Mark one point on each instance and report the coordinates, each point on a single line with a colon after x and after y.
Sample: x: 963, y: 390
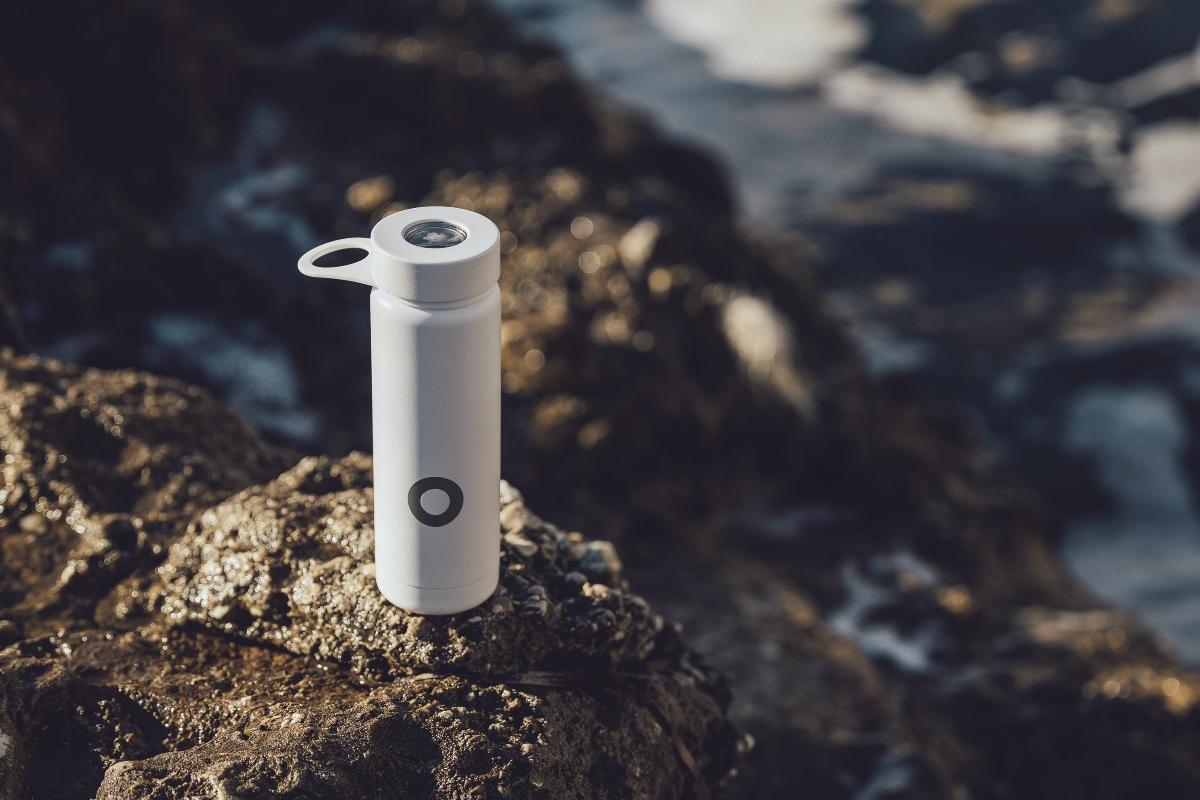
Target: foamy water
x: 1145, y: 552
x: 764, y: 42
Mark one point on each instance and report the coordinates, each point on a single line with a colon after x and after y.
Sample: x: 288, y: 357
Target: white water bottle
x: 435, y: 385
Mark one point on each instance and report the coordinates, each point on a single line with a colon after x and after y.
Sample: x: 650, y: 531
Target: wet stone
x: 87, y: 500
x: 283, y: 565
x: 249, y: 653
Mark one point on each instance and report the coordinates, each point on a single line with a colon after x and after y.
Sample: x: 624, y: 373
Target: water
x: 1013, y: 250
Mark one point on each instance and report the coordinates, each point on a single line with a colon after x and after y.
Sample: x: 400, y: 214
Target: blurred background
x: 989, y: 208
x: 1002, y: 199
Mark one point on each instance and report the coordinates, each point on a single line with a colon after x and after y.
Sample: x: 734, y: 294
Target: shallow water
x: 1012, y: 257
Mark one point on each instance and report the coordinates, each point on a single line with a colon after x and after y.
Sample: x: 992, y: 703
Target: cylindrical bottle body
x: 436, y: 422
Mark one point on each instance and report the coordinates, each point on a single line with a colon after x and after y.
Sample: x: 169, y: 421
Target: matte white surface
x: 436, y: 413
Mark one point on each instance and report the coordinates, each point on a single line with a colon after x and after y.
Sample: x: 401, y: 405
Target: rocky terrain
x: 181, y: 598
x: 258, y: 660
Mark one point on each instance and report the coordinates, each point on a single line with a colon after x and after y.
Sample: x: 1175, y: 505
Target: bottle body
x: 435, y: 389
x: 436, y: 424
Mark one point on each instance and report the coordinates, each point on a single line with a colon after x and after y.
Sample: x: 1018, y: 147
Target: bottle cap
x: 432, y: 254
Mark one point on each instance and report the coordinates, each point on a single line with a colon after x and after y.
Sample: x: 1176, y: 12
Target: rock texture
x: 275, y: 669
x: 100, y: 472
x: 290, y: 564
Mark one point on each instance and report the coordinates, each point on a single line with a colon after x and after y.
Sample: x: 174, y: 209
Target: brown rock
x: 291, y: 563
x: 277, y: 669
x: 100, y: 470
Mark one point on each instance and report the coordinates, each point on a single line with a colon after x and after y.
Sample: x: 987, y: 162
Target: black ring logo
x: 435, y: 520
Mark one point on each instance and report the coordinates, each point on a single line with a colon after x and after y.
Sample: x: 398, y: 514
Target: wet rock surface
x: 100, y: 471
x: 182, y: 714
x: 259, y: 660
x: 892, y: 610
x: 291, y: 564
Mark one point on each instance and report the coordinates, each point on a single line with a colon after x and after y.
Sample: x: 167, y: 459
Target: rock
x: 444, y: 738
x: 276, y: 668
x: 9, y: 632
x: 291, y: 564
x: 213, y: 715
x: 100, y: 471
x: 13, y: 775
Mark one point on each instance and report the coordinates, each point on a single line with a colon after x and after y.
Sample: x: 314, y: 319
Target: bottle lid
x: 432, y: 254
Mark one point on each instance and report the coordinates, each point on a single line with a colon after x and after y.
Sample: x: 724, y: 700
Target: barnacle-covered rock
x: 291, y: 563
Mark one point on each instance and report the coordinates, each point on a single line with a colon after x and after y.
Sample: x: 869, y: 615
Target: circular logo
x: 427, y: 484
